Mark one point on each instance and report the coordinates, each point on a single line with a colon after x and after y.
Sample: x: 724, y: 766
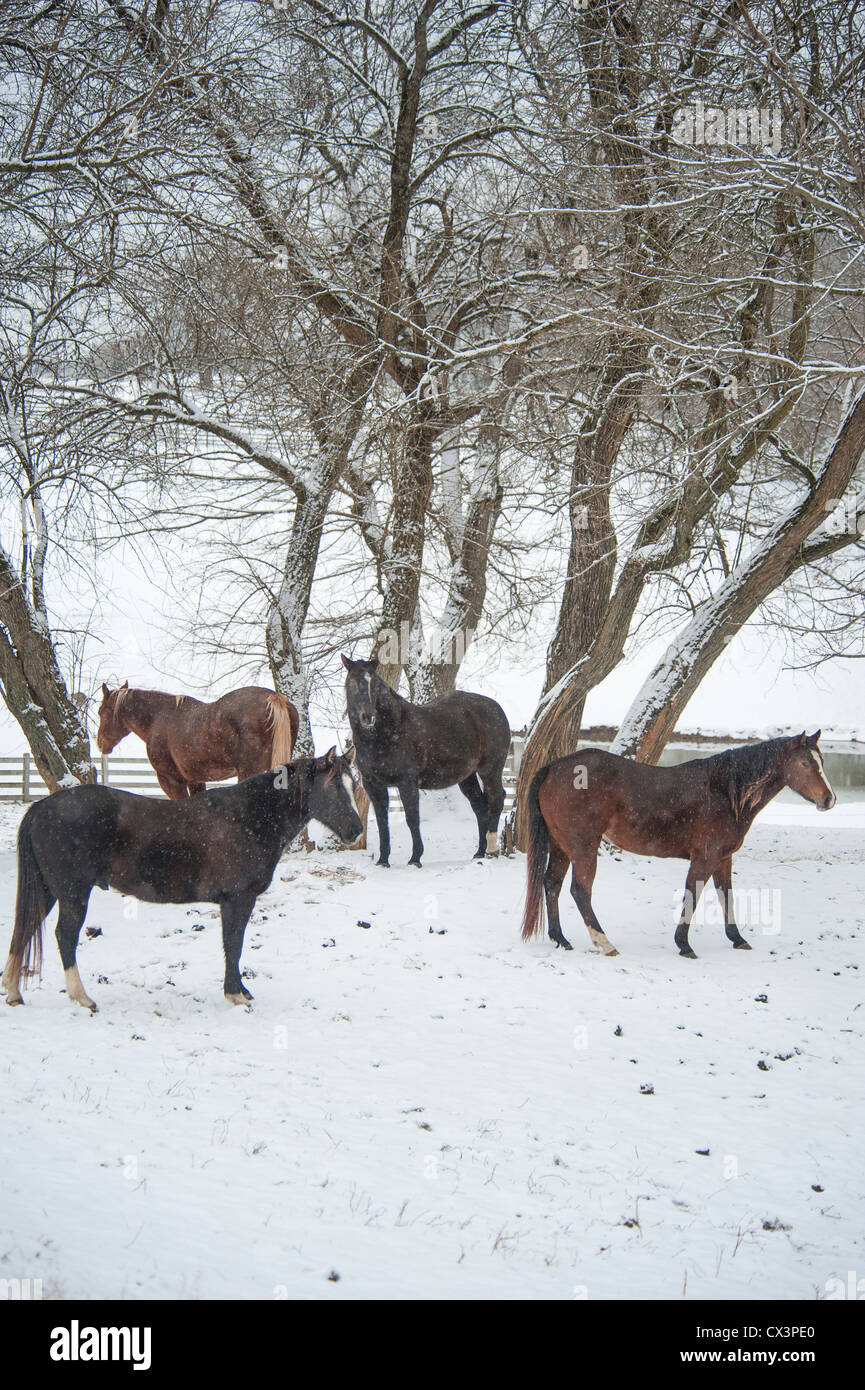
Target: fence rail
x: 20, y: 780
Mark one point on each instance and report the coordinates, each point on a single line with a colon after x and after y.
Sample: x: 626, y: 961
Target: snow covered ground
x: 420, y: 1105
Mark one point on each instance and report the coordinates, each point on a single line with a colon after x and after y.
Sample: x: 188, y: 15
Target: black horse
x: 221, y: 846
x: 452, y: 741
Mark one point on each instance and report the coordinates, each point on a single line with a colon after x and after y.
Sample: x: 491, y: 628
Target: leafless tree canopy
x: 538, y: 325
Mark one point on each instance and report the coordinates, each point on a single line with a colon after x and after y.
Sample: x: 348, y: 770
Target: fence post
x: 103, y: 770
x: 25, y: 777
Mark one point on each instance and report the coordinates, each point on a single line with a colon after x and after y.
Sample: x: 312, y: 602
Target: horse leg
x: 585, y: 866
x: 494, y: 791
x: 70, y: 920
x: 172, y: 784
x: 723, y: 880
x: 471, y: 790
x: 694, y: 885
x: 557, y: 867
x: 236, y: 912
x: 409, y: 795
x: 377, y: 793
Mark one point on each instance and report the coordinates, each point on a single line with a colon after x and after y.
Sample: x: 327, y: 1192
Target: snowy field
x: 420, y: 1105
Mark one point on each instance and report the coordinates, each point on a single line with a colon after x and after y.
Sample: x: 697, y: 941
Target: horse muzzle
x: 353, y: 833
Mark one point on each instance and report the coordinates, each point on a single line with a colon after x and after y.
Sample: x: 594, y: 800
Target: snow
x: 429, y: 1107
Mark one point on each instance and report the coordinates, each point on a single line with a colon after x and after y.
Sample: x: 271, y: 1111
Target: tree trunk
x: 34, y: 690
x: 288, y: 612
x: 402, y: 566
x: 654, y: 713
x: 435, y: 672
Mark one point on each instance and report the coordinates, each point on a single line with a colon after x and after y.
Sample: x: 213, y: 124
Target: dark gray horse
x: 453, y: 741
x: 220, y: 846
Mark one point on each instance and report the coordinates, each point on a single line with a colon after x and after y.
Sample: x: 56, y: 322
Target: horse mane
x: 743, y: 772
x: 120, y: 698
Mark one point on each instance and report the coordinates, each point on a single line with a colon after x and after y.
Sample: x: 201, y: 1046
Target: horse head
x: 112, y: 726
x: 365, y: 694
x: 803, y: 771
x: 331, y: 796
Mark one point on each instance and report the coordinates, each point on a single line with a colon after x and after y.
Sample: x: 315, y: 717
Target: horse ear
x: 105, y: 691
x: 351, y: 756
x: 814, y: 739
x: 373, y: 662
x: 125, y: 685
x: 346, y: 661
x: 801, y: 739
x: 330, y: 757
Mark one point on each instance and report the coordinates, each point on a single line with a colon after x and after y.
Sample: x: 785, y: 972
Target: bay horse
x: 221, y: 846
x: 191, y: 742
x: 452, y: 741
x: 700, y: 810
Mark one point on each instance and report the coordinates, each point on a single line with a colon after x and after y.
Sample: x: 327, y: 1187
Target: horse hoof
x: 382, y: 864
x: 13, y: 1002
x: 688, y: 953
x: 239, y: 999
x: 416, y: 863
x: 614, y: 952
x: 741, y: 946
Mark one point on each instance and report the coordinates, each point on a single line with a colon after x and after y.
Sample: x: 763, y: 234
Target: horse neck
x: 774, y: 785
x: 285, y: 808
x: 769, y: 787
x: 392, y: 701
x: 140, y: 708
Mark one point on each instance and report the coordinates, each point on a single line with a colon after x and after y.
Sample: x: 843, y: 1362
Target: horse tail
x: 283, y: 720
x: 33, y: 902
x: 536, y: 858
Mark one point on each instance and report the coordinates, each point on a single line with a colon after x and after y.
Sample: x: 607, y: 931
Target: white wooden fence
x: 20, y: 781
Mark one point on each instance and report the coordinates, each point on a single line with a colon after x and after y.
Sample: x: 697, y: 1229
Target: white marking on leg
x: 602, y: 942
x: 76, y: 991
x: 10, y: 982
x: 492, y: 842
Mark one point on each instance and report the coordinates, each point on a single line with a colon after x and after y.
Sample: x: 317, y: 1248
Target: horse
x: 700, y: 810
x: 190, y: 742
x: 453, y: 741
x: 221, y: 846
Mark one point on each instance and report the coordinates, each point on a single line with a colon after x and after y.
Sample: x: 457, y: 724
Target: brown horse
x: 190, y: 742
x: 699, y: 810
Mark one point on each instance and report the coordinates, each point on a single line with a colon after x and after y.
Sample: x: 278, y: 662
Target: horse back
x: 456, y: 735
x: 209, y: 742
x: 202, y: 849
x: 74, y: 833
x: 671, y: 812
